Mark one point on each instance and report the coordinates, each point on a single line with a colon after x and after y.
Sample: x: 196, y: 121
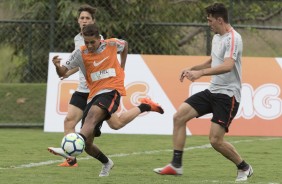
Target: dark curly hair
x: 218, y: 10
x: 91, y: 30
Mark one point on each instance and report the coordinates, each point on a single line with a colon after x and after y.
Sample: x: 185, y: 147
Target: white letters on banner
x: 138, y: 76
x: 262, y: 102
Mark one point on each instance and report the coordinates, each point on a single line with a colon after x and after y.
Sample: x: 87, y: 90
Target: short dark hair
x: 91, y: 30
x: 218, y: 10
x: 90, y: 9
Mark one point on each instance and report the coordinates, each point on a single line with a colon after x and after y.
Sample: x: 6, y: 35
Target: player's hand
x: 56, y: 61
x: 64, y: 77
x: 183, y: 74
x: 193, y: 75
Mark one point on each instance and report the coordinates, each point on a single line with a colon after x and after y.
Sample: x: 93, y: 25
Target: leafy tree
x: 150, y: 27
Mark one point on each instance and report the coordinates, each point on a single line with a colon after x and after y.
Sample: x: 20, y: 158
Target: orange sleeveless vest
x: 103, y: 70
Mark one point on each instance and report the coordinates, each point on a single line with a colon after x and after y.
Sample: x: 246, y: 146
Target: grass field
x: 25, y: 159
x: 26, y: 103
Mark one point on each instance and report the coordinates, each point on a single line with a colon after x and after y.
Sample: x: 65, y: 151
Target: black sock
x: 243, y: 166
x: 72, y: 162
x: 177, y: 158
x: 84, y: 138
x: 102, y: 158
x: 144, y: 107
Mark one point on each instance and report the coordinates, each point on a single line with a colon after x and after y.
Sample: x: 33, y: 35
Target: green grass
x: 25, y: 159
x: 22, y: 103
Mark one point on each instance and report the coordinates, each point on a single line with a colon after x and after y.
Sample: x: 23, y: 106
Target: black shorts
x: 79, y: 99
x: 223, y: 107
x: 106, y: 101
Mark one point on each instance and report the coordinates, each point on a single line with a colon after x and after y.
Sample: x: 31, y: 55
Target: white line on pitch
x: 205, y: 146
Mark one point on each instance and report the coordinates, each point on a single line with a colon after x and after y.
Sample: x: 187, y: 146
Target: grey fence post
x: 52, y: 24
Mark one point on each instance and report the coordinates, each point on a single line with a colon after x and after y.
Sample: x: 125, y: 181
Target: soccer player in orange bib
x: 78, y: 102
x: 98, y: 61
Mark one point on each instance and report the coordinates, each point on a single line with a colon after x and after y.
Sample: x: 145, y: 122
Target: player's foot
x: 243, y: 175
x: 60, y: 152
x: 66, y: 163
x: 154, y: 106
x: 169, y: 170
x: 106, y: 168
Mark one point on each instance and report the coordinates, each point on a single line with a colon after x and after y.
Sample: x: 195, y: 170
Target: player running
x: 79, y: 100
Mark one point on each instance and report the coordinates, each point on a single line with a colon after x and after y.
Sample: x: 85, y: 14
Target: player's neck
x: 225, y: 29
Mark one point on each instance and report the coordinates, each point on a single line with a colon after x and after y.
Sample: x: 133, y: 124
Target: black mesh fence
x: 51, y: 26
x: 29, y: 30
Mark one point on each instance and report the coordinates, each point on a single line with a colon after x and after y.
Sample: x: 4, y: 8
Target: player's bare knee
x: 66, y: 120
x: 178, y: 120
x: 215, y: 142
x: 114, y: 126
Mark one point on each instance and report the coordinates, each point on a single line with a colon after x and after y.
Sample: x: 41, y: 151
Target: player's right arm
x: 70, y: 72
x: 200, y: 68
x: 74, y: 61
x: 61, y: 70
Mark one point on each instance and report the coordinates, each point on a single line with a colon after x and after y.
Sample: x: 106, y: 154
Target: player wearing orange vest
x: 105, y: 79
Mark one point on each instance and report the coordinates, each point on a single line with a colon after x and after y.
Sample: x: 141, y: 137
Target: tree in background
x: 151, y: 27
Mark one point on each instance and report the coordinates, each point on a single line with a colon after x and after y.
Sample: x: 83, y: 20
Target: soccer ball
x: 73, y: 144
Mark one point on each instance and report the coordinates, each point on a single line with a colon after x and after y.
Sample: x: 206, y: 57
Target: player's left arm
x: 225, y: 67
x: 122, y: 49
x: 231, y: 47
x: 123, y: 55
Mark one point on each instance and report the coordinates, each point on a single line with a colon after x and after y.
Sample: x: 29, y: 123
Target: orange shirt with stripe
x: 103, y: 70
